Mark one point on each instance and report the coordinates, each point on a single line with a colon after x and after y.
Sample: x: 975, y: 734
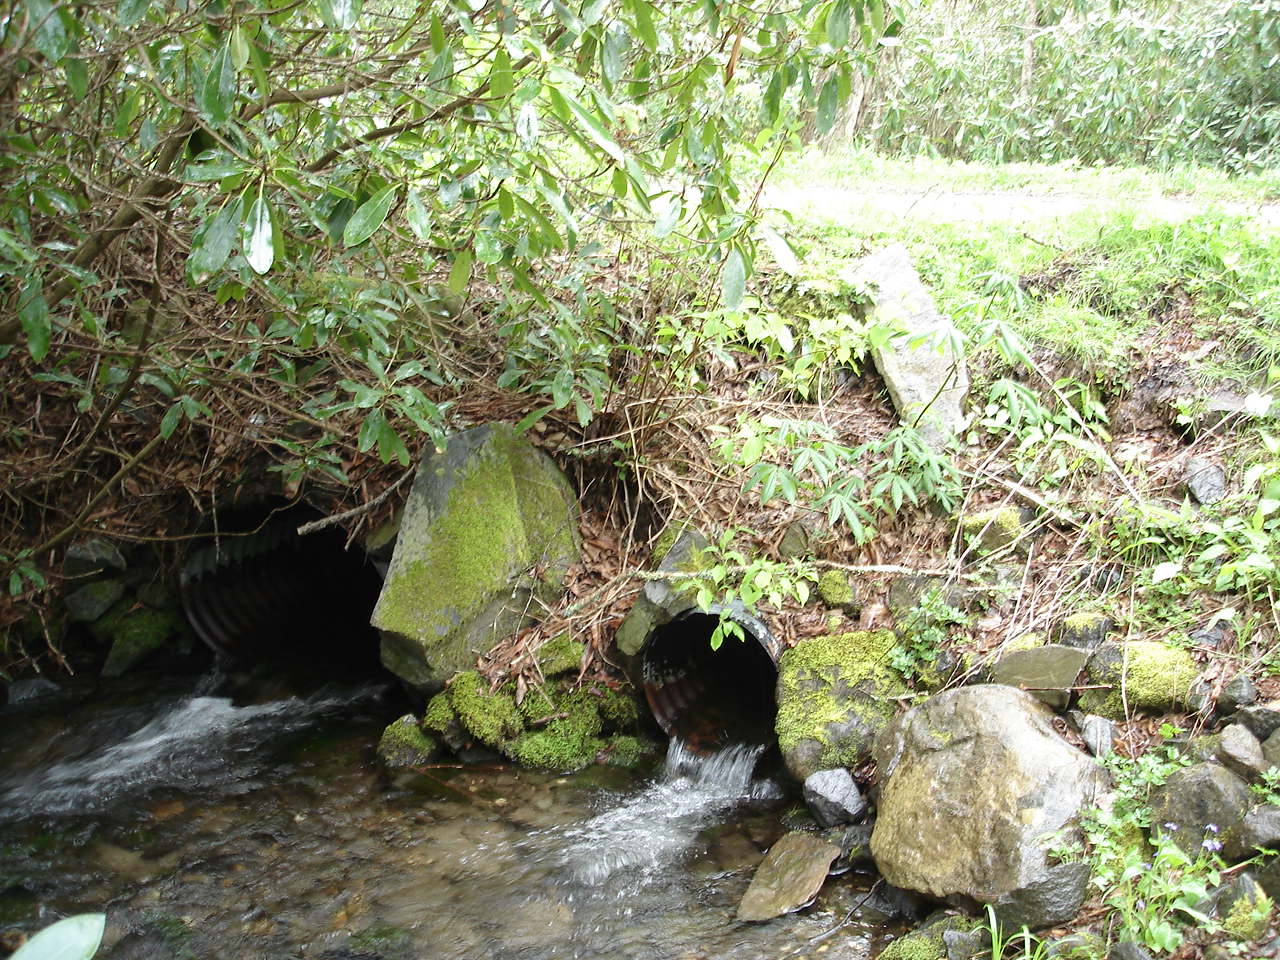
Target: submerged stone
x: 835, y: 693
x: 789, y: 878
x: 972, y: 781
x: 489, y: 528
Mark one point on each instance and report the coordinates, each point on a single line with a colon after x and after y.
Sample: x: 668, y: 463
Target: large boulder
x: 489, y: 529
x: 975, y: 783
x: 835, y: 694
x: 925, y: 374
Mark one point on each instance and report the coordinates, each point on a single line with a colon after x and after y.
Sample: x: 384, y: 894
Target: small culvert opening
x: 255, y: 590
x: 710, y: 698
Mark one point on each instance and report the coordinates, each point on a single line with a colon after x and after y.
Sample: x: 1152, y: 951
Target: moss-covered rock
x: 403, y: 743
x: 568, y: 727
x: 562, y: 746
x: 1156, y: 677
x: 560, y: 654
x: 481, y: 515
x: 1245, y: 909
x: 1025, y: 641
x: 93, y: 600
x: 835, y: 693
x: 1086, y: 629
x: 918, y: 945
x: 619, y: 707
x: 836, y: 590
x: 662, y: 600
x: 992, y: 530
x: 488, y: 715
x: 136, y: 635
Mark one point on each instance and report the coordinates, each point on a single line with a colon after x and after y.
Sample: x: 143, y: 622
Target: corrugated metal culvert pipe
x: 256, y: 590
x: 708, y: 698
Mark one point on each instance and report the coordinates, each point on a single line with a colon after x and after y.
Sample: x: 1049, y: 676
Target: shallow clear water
x: 210, y: 828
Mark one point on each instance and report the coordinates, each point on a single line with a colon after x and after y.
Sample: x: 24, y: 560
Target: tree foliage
x: 309, y: 227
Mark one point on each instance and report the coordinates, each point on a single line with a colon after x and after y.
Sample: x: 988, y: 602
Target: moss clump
x: 488, y: 715
x: 1085, y: 629
x: 916, y: 946
x: 403, y: 744
x: 1157, y: 677
x: 560, y: 654
x: 562, y: 746
x: 992, y: 530
x: 623, y: 750
x: 1025, y: 641
x: 835, y: 589
x: 440, y: 716
x: 1249, y: 916
x: 840, y: 682
x: 619, y: 708
x: 135, y: 636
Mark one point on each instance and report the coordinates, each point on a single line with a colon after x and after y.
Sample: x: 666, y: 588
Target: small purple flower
x: 1211, y: 827
x: 1171, y: 826
x: 1141, y: 905
x: 1213, y: 846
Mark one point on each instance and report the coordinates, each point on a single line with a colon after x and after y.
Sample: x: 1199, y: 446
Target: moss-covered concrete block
x: 835, y: 694
x: 404, y: 744
x: 992, y: 530
x: 1145, y: 675
x: 490, y: 526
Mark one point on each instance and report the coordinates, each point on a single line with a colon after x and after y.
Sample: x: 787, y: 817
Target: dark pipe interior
x: 255, y: 590
x: 709, y: 698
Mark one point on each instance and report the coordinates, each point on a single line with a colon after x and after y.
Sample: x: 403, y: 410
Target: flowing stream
x: 206, y: 825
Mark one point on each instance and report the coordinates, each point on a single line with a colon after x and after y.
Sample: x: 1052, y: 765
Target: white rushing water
x: 632, y: 844
x: 197, y: 743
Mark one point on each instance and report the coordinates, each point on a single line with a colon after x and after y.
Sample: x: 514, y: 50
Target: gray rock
x: 1262, y: 719
x: 1205, y: 480
x: 1237, y: 692
x: 661, y: 601
x: 1085, y: 630
x: 403, y: 744
x: 20, y: 691
x: 854, y: 842
x: 1098, y: 734
x: 1053, y: 899
x: 926, y: 377
x: 93, y: 556
x: 833, y: 797
x: 1271, y: 750
x: 480, y: 517
x: 1240, y: 752
x: 1048, y: 673
x: 1193, y: 798
x: 1260, y: 829
x: 990, y: 530
x: 966, y: 944
x: 1076, y: 946
x: 1200, y: 697
x: 972, y: 780
x: 91, y: 601
x: 789, y: 878
x: 1129, y: 950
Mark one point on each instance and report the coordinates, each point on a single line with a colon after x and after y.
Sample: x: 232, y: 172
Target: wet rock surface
x: 1048, y: 673
x: 833, y: 797
x: 971, y: 779
x: 1240, y: 752
x: 1195, y: 797
x: 789, y: 878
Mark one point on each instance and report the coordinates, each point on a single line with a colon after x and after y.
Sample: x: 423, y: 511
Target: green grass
x: 861, y: 169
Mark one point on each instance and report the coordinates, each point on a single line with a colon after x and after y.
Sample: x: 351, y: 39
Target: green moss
x: 135, y: 636
x: 667, y: 539
x: 383, y: 941
x: 811, y: 673
x: 403, y: 744
x: 440, y: 716
x: 1249, y: 916
x: 835, y: 589
x: 560, y: 654
x: 488, y: 715
x: 992, y: 529
x: 1025, y: 641
x: 1087, y: 628
x: 623, y: 750
x: 1157, y: 677
x: 619, y: 708
x: 916, y: 946
x: 561, y: 746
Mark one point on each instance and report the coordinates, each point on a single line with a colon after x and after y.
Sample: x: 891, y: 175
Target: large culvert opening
x: 710, y: 698
x: 256, y: 590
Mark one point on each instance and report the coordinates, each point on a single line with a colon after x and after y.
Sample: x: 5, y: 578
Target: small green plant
x: 923, y: 632
x: 1157, y: 897
x: 730, y: 576
x: 1022, y: 945
x: 1267, y: 790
